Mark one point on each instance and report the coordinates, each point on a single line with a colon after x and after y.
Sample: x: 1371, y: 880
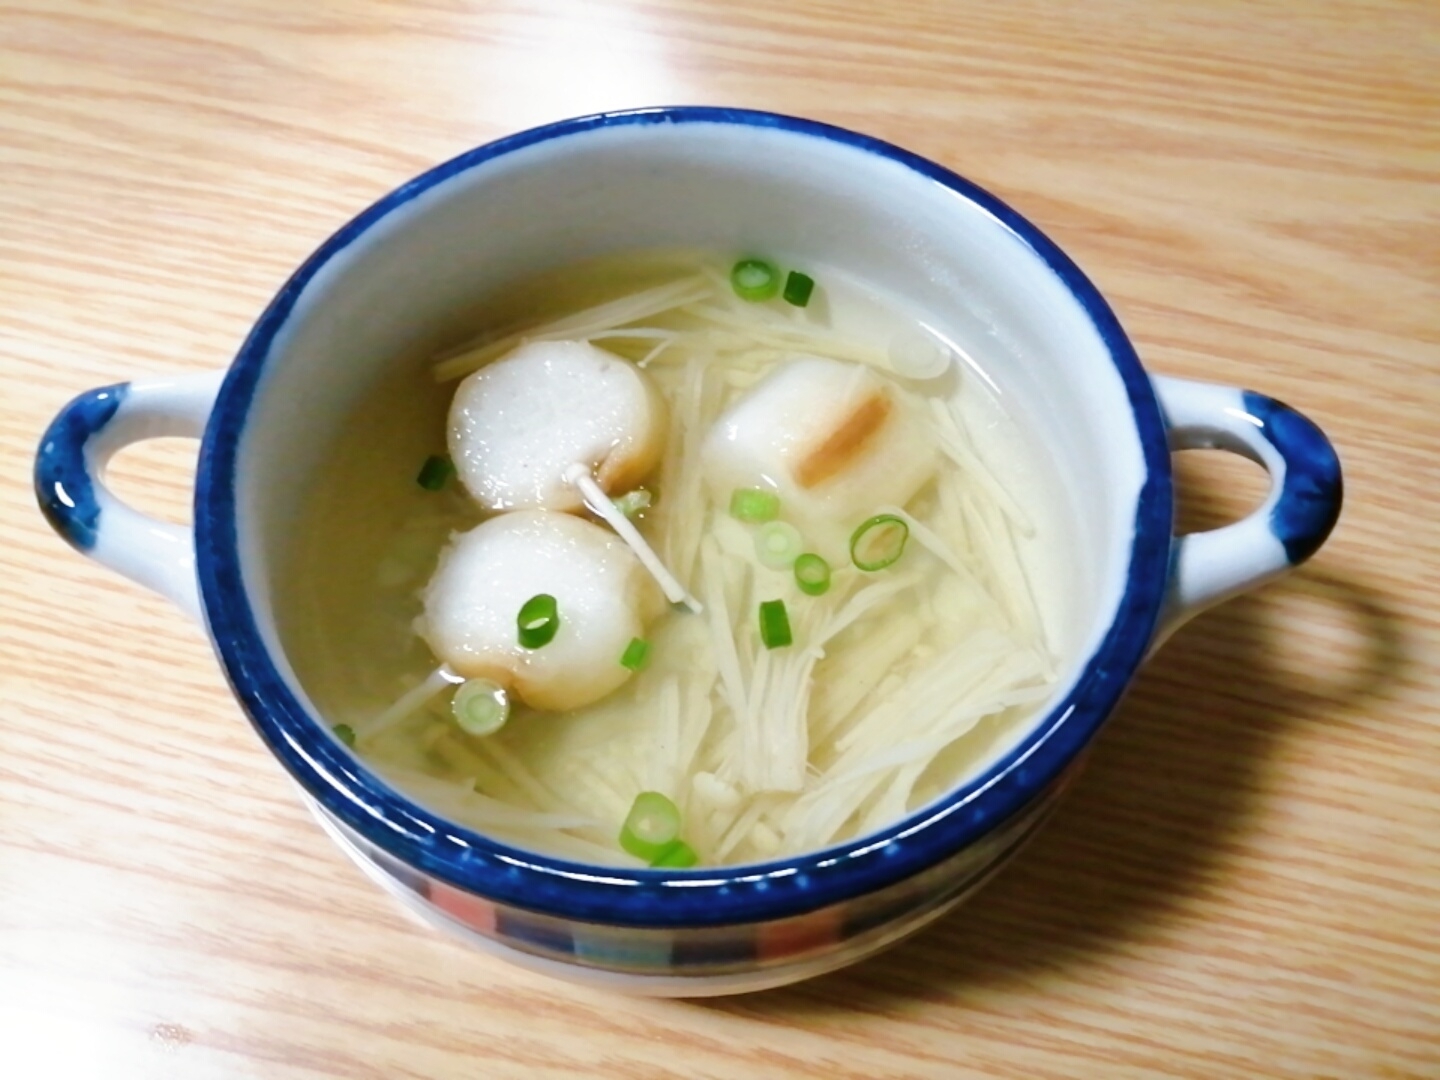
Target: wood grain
x: 1246, y: 882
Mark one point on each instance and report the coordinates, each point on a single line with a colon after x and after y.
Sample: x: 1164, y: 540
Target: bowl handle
x: 1301, y: 509
x: 70, y: 470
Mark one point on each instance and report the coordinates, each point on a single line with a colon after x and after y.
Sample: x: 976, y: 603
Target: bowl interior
x: 394, y: 285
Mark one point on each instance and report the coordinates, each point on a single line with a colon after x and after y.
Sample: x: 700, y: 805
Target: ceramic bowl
x: 719, y: 179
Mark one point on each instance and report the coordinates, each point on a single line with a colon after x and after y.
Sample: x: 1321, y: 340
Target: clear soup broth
x: 899, y: 681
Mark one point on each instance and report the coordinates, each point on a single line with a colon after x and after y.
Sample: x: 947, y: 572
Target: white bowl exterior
x: 647, y: 963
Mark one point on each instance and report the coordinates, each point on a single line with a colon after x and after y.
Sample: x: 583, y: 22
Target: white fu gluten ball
x: 833, y: 440
x: 517, y: 424
x: 604, y: 599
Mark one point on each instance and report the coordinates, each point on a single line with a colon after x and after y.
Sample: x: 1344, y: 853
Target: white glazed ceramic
x: 389, y: 285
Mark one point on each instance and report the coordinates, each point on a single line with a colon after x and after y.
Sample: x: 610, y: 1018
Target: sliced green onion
x: 436, y: 472
x: 777, y: 543
x: 345, y: 733
x: 754, y: 280
x: 774, y: 624
x: 632, y: 502
x: 798, y: 288
x: 635, y: 655
x: 652, y: 825
x: 538, y: 621
x: 481, y: 707
x: 878, y: 542
x: 677, y: 855
x: 812, y: 574
x: 754, y: 505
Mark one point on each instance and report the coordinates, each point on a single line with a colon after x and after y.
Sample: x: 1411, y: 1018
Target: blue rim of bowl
x: 654, y: 898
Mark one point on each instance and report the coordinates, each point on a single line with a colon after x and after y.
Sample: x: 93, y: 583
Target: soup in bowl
x: 686, y: 549
x: 796, y: 599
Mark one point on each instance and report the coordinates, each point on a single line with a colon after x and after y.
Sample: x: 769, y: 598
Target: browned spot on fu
x: 846, y: 442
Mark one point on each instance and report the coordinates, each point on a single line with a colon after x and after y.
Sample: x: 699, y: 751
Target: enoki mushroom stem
x: 595, y: 498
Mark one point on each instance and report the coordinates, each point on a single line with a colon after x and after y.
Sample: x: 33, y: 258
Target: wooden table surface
x: 1247, y: 880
